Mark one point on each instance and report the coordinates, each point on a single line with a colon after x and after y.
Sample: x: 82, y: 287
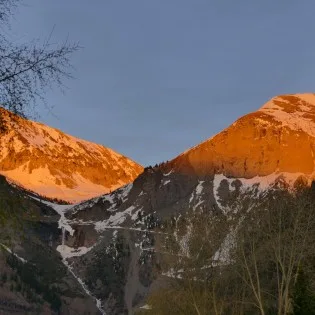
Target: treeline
x: 43, y: 197
x: 259, y: 258
x: 55, y: 200
x: 157, y: 165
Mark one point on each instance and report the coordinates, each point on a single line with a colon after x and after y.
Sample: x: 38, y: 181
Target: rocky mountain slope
x: 108, y: 242
x: 33, y: 279
x: 54, y: 164
x: 268, y: 148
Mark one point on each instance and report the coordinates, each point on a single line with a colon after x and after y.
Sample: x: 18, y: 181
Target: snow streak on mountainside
x: 54, y: 164
x: 279, y: 137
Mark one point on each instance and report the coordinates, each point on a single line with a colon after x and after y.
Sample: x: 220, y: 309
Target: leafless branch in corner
x: 28, y: 70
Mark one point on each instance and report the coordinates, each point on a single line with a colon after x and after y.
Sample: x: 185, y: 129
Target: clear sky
x: 156, y: 77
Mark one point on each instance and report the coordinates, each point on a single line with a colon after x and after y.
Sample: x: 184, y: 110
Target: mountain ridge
x: 57, y: 165
x: 277, y: 137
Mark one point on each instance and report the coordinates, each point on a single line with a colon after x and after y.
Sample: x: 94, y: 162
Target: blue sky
x: 156, y: 77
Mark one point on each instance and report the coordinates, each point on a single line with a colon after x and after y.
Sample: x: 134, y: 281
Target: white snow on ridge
x: 262, y: 182
x: 266, y: 181
x: 297, y: 119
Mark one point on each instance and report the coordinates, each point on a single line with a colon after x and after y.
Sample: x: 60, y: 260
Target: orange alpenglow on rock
x: 56, y: 165
x: 278, y: 138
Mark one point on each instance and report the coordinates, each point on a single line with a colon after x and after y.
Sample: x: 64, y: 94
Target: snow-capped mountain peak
x: 296, y: 111
x: 279, y: 137
x: 56, y: 165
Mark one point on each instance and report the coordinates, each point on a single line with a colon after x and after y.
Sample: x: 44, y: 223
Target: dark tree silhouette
x: 27, y: 70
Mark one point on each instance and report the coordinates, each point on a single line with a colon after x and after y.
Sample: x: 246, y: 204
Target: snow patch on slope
x: 196, y: 195
x: 43, y: 182
x: 68, y: 252
x: 222, y: 255
x: 117, y: 219
x: 262, y: 183
x: 169, y: 173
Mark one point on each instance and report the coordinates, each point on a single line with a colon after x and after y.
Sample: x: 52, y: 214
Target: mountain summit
x: 56, y: 165
x: 277, y: 138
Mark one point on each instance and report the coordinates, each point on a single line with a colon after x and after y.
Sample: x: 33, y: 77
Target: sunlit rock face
x: 278, y: 138
x: 54, y: 164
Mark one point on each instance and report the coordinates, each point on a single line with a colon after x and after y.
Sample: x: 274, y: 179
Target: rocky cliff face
x: 279, y: 137
x: 54, y: 164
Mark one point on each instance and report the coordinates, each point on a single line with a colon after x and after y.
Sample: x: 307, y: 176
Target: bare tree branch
x: 28, y: 70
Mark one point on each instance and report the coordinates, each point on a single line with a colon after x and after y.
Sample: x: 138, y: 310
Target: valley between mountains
x: 83, y: 225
